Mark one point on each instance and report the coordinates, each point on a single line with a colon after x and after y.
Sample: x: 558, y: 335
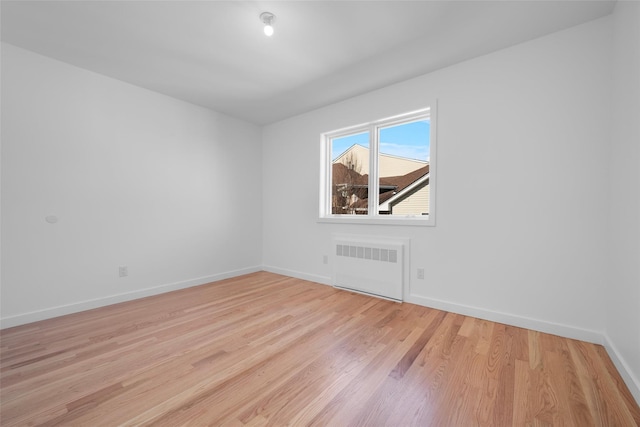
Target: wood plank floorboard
x: 265, y: 349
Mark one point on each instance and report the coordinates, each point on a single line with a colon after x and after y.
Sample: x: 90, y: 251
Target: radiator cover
x: 370, y: 265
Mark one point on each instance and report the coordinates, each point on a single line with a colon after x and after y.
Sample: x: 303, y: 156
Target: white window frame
x: 373, y: 217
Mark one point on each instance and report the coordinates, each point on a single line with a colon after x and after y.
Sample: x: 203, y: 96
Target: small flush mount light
x: 267, y: 19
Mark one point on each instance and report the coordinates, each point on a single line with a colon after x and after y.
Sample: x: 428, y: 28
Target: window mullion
x: 373, y: 171
x: 326, y: 176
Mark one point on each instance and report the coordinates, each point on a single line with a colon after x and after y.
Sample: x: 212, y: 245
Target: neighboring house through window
x: 380, y: 172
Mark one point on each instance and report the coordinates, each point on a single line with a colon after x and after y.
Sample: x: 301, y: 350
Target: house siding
x: 388, y: 165
x: 414, y: 203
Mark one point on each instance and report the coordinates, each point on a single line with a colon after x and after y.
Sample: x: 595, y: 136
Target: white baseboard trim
x: 596, y: 337
x: 632, y: 382
x: 567, y: 331
x: 325, y: 280
x: 592, y: 336
x: 48, y: 313
x: 559, y: 329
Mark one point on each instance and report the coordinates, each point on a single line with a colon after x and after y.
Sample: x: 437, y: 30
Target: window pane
x: 403, y: 165
x: 350, y: 174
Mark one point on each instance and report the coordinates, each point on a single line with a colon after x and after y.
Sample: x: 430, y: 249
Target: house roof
x: 397, y: 183
x: 342, y: 174
x: 401, y: 182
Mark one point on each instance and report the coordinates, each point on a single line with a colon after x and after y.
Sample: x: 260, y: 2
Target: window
x: 381, y: 172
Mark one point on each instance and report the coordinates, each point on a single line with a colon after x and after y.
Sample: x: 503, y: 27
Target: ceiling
x: 214, y: 53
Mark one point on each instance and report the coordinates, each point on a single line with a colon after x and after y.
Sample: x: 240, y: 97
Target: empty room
x: 328, y: 213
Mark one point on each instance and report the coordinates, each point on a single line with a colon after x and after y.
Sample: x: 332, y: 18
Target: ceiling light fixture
x: 267, y: 19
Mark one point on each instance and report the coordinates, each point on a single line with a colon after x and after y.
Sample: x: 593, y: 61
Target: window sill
x: 362, y: 220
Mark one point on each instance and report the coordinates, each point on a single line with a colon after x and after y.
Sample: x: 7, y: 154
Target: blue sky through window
x: 340, y: 145
x: 410, y: 140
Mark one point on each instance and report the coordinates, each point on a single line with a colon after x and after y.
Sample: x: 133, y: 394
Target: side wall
x: 623, y: 286
x: 521, y: 229
x: 135, y: 178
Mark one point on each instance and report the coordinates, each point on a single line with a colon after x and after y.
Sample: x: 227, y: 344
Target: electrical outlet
x: 123, y: 271
x: 421, y: 273
x: 325, y: 259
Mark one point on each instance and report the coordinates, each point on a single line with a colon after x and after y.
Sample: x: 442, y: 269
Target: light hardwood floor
x: 264, y: 349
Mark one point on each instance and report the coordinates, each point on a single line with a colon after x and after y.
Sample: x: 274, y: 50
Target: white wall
x: 521, y: 227
x: 623, y: 286
x: 136, y: 178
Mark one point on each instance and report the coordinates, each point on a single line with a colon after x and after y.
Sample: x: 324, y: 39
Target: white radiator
x: 368, y: 265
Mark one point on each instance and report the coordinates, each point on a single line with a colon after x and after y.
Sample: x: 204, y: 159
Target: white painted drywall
x: 522, y: 148
x: 623, y: 284
x: 135, y: 178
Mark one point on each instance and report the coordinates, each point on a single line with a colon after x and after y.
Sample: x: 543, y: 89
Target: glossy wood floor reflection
x: 264, y: 349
